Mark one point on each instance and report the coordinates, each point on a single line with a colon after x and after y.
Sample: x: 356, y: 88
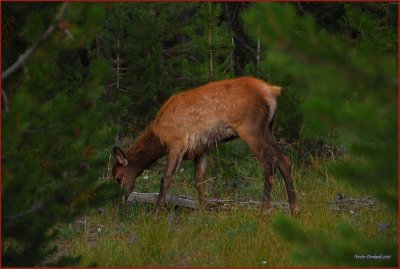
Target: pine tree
x: 211, y: 45
x: 56, y: 132
x: 165, y: 48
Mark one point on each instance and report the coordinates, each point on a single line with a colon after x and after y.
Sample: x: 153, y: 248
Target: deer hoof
x: 295, y: 210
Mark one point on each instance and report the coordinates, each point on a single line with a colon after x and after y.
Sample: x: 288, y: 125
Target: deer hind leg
x: 283, y: 163
x: 258, y: 147
x: 268, y: 184
x: 200, y: 165
x: 174, y: 159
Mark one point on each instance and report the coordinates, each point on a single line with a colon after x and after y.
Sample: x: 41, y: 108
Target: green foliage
x: 55, y: 140
x: 377, y: 24
x: 349, y: 90
x: 351, y: 248
x: 288, y: 229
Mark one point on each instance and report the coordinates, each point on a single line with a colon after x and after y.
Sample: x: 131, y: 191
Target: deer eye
x: 118, y: 179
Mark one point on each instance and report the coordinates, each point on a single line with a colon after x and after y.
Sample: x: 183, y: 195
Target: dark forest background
x: 102, y: 74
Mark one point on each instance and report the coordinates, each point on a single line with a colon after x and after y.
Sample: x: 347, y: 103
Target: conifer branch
x: 24, y: 57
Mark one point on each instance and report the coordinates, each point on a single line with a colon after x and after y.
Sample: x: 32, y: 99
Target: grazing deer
x: 191, y: 122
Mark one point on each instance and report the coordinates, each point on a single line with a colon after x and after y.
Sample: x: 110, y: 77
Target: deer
x: 192, y: 122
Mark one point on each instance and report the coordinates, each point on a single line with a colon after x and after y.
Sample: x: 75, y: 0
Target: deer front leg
x: 174, y: 159
x: 200, y: 165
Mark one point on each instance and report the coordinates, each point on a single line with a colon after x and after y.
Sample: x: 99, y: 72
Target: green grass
x: 237, y: 237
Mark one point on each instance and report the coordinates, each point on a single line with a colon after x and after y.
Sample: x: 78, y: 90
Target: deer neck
x: 145, y: 151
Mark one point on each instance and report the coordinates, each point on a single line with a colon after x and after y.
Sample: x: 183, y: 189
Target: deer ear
x: 119, y: 155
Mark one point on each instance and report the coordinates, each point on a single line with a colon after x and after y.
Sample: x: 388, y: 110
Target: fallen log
x: 190, y: 202
x: 151, y: 198
x: 345, y: 203
x: 338, y: 205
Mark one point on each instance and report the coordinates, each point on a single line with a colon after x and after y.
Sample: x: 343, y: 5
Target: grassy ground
x: 238, y: 237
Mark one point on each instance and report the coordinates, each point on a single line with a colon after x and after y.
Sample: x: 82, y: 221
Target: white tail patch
x: 270, y: 92
x: 272, y: 108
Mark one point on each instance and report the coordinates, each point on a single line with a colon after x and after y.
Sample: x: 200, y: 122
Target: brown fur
x: 191, y: 122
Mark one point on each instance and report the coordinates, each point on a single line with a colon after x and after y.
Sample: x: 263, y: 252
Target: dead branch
x: 24, y: 57
x: 44, y: 129
x: 27, y: 212
x: 5, y: 100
